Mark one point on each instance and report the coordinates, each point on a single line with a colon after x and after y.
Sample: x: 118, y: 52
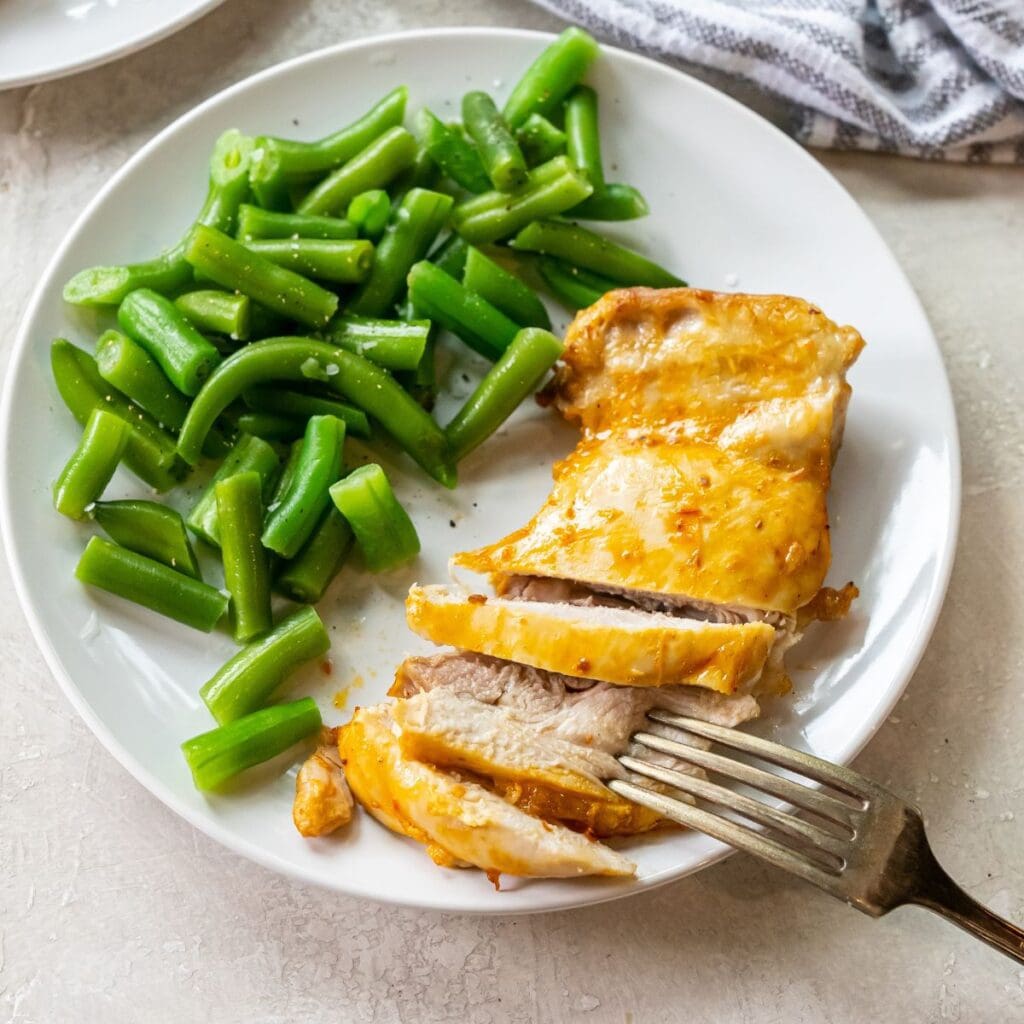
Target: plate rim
x: 213, y: 828
x: 123, y: 49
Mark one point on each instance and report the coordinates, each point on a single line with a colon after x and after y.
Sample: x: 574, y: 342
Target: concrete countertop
x: 113, y: 909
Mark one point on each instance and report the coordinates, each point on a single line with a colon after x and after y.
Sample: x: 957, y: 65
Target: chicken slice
x: 543, y: 775
x: 621, y: 645
x: 442, y: 728
x: 595, y: 715
x: 763, y: 374
x: 687, y: 522
x: 458, y: 820
x: 323, y: 801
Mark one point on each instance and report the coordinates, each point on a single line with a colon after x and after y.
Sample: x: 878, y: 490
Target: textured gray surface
x: 114, y: 910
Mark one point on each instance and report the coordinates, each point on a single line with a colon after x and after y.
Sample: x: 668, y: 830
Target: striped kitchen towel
x: 938, y: 79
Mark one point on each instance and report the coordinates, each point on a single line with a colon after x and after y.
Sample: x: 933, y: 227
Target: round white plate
x: 42, y: 39
x: 734, y: 204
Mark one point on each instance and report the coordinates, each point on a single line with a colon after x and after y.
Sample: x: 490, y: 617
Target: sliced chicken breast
x: 546, y: 776
x: 619, y: 645
x: 460, y: 822
x: 596, y: 715
x: 686, y: 521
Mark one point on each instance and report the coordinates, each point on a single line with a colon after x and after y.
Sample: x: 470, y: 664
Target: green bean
x: 254, y: 223
x: 613, y: 202
x: 249, y: 453
x: 151, y: 584
x: 249, y: 679
x: 151, y: 529
x: 514, y: 376
x: 383, y: 530
x: 292, y: 518
x: 91, y: 465
x: 583, y: 135
x: 271, y: 426
x: 540, y: 140
x: 306, y: 576
x: 591, y: 251
x: 231, y: 265
x: 551, y: 76
x: 374, y: 167
x: 550, y: 188
x: 469, y: 316
x: 184, y: 355
x: 369, y: 212
x: 500, y: 154
x: 393, y: 344
x: 299, y: 406
x: 135, y: 373
x: 151, y: 453
x: 277, y: 163
x: 169, y: 272
x: 246, y: 571
x: 576, y: 288
x: 451, y: 152
x: 338, y: 261
x: 450, y: 256
x: 214, y: 757
x: 107, y: 286
x: 411, y: 231
x: 217, y: 312
x: 504, y: 291
x: 372, y: 389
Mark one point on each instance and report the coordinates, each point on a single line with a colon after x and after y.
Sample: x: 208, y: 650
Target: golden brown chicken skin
x: 762, y: 374
x: 682, y: 520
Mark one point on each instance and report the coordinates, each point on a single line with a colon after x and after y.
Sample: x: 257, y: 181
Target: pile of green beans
x: 306, y: 304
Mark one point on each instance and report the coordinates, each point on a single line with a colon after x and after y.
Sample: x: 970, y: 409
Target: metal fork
x: 866, y: 846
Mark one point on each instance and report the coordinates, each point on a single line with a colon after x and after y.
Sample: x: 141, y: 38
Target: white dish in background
x: 734, y: 204
x: 43, y: 39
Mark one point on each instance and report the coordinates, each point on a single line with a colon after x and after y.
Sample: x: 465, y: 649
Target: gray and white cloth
x: 938, y: 79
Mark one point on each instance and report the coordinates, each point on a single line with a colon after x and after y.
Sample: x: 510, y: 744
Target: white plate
x: 42, y: 39
x: 735, y: 203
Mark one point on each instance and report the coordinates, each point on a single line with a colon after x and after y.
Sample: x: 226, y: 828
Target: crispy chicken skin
x: 459, y: 821
x: 709, y: 425
x: 618, y: 645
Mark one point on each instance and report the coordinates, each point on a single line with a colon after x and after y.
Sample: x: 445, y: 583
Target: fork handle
x: 944, y: 897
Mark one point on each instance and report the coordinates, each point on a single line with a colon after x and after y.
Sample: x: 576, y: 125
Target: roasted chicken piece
x: 684, y: 545
x: 600, y: 716
x: 762, y: 375
x: 548, y: 776
x: 323, y: 801
x: 616, y: 644
x: 458, y: 820
x: 709, y: 427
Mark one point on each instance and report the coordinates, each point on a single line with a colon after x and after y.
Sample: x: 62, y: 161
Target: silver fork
x: 866, y: 847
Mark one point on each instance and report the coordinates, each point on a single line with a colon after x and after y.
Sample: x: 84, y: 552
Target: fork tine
x: 745, y: 805
x: 729, y: 832
x: 843, y: 779
x: 792, y: 792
